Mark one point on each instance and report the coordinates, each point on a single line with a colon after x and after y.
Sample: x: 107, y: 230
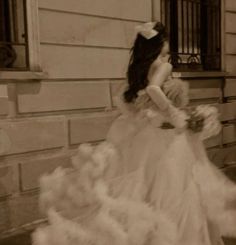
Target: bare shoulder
x: 164, y: 66
x: 159, y: 72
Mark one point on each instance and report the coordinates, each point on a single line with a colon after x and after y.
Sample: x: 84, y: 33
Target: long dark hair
x: 143, y: 54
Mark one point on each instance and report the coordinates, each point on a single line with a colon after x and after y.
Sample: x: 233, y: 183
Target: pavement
x: 25, y: 239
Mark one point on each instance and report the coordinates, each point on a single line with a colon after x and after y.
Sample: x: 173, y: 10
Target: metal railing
x: 194, y: 28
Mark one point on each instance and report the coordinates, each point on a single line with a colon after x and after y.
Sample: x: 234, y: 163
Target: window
x: 19, y: 43
x: 194, y: 28
x: 13, y: 35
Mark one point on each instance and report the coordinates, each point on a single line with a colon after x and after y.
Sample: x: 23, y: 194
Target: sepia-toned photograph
x: 117, y: 122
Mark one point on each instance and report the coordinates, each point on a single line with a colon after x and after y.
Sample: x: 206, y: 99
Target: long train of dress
x: 144, y: 185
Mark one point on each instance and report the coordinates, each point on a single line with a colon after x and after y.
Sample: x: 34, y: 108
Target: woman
x: 150, y: 182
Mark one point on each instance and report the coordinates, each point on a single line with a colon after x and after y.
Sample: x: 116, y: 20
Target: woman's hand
x: 177, y: 117
x: 195, y: 123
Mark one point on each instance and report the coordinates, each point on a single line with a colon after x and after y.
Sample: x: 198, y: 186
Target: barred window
x: 194, y: 28
x: 13, y: 35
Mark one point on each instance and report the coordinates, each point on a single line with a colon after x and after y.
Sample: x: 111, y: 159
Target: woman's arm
x: 155, y: 81
x: 177, y: 117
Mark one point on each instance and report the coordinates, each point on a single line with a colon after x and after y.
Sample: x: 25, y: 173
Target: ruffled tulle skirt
x: 143, y: 186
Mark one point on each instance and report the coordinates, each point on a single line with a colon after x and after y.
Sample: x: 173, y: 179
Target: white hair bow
x: 146, y: 30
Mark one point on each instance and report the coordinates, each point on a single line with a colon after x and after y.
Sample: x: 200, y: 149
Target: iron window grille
x: 194, y: 28
x: 13, y: 35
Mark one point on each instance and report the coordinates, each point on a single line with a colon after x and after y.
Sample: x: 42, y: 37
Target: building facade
x: 77, y: 59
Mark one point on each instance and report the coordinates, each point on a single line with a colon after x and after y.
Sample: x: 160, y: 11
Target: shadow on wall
x: 5, y: 222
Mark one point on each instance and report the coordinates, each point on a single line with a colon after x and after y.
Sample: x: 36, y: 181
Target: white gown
x: 144, y: 185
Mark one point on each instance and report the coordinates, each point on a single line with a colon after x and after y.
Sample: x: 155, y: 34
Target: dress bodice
x: 142, y: 111
x: 147, y: 109
x: 144, y: 101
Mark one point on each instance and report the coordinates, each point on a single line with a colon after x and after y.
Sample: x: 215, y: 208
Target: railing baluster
x: 182, y: 23
x: 193, y: 29
x: 198, y: 26
x: 187, y: 10
x: 14, y: 21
